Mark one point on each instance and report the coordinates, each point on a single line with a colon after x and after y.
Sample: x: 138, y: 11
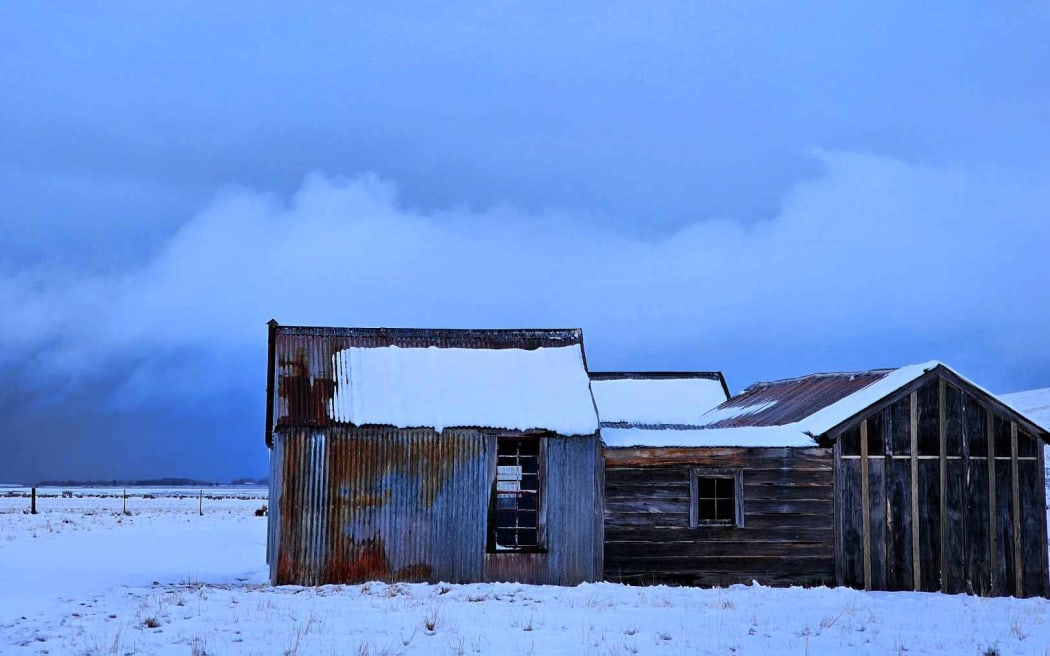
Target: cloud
x: 873, y: 262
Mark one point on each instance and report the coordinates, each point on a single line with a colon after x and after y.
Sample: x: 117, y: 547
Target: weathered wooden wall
x: 787, y: 537
x: 938, y: 492
x: 354, y: 504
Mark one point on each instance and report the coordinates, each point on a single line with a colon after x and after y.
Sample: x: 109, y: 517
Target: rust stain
x: 306, y: 397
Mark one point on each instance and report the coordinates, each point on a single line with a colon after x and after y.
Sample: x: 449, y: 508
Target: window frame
x: 492, y: 546
x: 737, y: 476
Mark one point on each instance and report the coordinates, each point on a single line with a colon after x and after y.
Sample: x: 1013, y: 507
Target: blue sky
x: 768, y: 189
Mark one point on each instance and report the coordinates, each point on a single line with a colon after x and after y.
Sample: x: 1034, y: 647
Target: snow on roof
x: 1034, y: 404
x: 711, y: 430
x: 510, y: 388
x: 656, y: 398
x: 755, y: 436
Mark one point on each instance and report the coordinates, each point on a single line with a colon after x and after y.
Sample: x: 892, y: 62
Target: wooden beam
x: 1016, y: 489
x: 840, y: 577
x: 865, y: 502
x: 1045, y: 565
x: 916, y: 563
x: 993, y: 539
x: 943, y: 437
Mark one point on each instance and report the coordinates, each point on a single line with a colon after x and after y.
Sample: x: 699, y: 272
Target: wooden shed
x: 898, y: 479
x: 432, y: 455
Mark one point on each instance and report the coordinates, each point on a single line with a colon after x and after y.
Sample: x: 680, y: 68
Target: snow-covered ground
x: 82, y: 578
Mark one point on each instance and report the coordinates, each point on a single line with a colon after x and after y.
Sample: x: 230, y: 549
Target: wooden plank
x: 1016, y: 492
x: 630, y: 551
x: 954, y: 547
x: 851, y: 534
x: 1045, y: 576
x: 1032, y: 498
x: 639, y: 457
x: 978, y: 559
x: 837, y: 516
x: 943, y: 483
x: 1005, y: 528
x: 899, y: 568
x: 994, y: 580
x: 877, y: 516
x: 914, y: 429
x: 648, y: 534
x: 865, y: 504
x: 930, y: 525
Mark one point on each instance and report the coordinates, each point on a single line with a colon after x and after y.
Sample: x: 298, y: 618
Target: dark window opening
x: 716, y: 499
x: 514, y: 521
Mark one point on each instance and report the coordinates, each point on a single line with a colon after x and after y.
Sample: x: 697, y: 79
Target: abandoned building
x: 899, y: 479
x: 432, y: 455
x: 492, y: 455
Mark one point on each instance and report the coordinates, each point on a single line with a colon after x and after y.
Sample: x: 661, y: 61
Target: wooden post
x: 943, y: 439
x: 1016, y: 489
x: 125, y: 501
x: 201, y: 502
x: 916, y: 563
x: 32, y: 504
x: 993, y: 539
x: 865, y: 502
x: 1044, y: 556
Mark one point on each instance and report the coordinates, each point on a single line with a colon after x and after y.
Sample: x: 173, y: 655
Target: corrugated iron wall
x: 353, y: 504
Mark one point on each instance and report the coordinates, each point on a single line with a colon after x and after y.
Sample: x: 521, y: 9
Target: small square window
x: 715, y: 498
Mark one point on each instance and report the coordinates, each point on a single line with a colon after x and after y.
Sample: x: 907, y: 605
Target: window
x: 515, y: 509
x: 716, y: 498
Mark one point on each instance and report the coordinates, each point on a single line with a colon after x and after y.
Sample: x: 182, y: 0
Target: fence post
x: 32, y: 508
x: 201, y: 500
x: 125, y: 501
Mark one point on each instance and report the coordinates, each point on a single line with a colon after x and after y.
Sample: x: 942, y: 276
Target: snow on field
x: 81, y: 578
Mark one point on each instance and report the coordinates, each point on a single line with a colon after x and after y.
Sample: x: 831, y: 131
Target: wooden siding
x: 787, y: 537
x: 939, y: 492
x: 354, y: 504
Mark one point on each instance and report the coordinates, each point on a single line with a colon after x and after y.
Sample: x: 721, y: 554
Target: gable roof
x: 502, y: 379
x: 798, y: 411
x: 655, y: 398
x: 1034, y: 404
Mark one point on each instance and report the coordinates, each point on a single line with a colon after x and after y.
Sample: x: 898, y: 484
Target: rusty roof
x: 307, y: 375
x: 780, y: 402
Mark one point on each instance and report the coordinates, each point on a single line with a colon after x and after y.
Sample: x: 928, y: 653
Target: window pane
x: 726, y: 510
x: 706, y: 509
x: 706, y: 488
x: 725, y: 488
x: 515, y: 521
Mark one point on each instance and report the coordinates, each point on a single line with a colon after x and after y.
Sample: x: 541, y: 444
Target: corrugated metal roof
x: 307, y: 370
x: 786, y: 401
x: 639, y: 399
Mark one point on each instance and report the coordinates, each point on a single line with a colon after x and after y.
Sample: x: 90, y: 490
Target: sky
x: 766, y: 189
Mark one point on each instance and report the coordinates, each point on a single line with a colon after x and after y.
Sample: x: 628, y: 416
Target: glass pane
x: 727, y: 510
x: 530, y: 482
x: 706, y: 509
x: 706, y: 488
x: 725, y: 488
x: 527, y: 538
x: 527, y: 502
x: 505, y: 518
x: 505, y: 537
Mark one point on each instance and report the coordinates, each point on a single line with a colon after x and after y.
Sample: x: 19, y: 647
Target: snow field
x: 83, y: 579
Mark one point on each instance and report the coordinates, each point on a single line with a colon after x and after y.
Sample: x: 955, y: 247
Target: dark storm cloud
x: 646, y: 172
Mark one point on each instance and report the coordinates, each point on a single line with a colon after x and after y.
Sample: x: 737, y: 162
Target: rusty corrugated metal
x: 787, y: 401
x: 351, y: 504
x: 301, y: 360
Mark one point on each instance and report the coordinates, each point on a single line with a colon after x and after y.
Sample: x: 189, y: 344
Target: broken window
x: 514, y: 517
